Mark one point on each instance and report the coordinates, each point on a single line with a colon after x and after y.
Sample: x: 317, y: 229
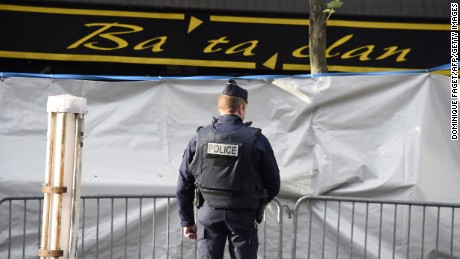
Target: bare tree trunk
x: 317, y: 37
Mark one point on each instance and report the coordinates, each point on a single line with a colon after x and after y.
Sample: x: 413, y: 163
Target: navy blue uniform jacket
x: 263, y: 159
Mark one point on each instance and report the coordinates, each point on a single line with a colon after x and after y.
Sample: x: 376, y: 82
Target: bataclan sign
x: 205, y: 39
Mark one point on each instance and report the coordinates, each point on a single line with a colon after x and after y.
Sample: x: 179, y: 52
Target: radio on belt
x: 222, y: 149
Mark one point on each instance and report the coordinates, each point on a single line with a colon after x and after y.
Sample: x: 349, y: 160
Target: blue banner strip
x: 4, y: 75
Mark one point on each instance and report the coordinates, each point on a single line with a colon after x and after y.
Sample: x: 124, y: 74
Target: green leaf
x: 334, y: 4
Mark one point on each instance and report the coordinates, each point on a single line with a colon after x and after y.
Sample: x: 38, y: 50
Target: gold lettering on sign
x: 393, y: 51
x: 210, y: 48
x: 108, y: 36
x: 246, y: 48
x: 247, y: 51
x: 336, y: 44
x: 155, y: 44
x: 119, y: 42
x: 298, y: 52
x: 361, y: 52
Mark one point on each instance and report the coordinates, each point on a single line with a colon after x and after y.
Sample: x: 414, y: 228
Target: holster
x: 198, y: 200
x: 260, y: 211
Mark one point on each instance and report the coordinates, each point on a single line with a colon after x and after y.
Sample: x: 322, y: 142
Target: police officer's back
x: 230, y: 170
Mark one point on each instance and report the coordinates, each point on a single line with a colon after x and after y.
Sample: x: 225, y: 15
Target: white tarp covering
x: 374, y: 136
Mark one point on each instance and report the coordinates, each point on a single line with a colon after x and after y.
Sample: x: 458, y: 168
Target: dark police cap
x: 233, y: 89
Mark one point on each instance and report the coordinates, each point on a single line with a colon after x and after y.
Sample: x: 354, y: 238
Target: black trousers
x: 216, y: 226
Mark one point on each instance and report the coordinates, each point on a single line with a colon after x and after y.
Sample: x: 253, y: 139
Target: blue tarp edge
x: 156, y: 78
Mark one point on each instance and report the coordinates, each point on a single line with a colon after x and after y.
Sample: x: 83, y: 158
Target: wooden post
x: 62, y: 179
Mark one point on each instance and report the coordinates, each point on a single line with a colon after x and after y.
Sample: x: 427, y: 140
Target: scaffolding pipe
x: 61, y: 189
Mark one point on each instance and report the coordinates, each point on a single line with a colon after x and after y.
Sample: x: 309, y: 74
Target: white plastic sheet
x: 375, y: 136
x: 381, y: 136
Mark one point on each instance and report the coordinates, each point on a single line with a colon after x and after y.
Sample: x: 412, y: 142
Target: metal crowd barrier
x: 145, y: 226
x: 330, y: 227
x: 133, y: 226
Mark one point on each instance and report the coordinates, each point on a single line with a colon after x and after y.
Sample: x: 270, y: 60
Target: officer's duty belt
x: 218, y: 192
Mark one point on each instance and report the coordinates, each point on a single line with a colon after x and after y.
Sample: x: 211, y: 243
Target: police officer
x: 230, y: 171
